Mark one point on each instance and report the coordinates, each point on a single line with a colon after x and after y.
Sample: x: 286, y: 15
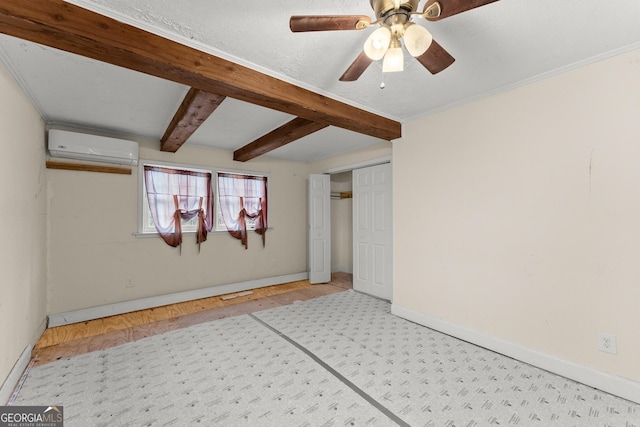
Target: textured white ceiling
x: 498, y: 46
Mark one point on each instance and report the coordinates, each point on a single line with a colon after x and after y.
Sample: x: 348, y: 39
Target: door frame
x: 359, y: 165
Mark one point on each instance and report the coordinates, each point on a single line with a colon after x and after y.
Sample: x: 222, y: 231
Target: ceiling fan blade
x: 453, y: 7
x: 302, y: 23
x: 356, y: 69
x: 435, y: 59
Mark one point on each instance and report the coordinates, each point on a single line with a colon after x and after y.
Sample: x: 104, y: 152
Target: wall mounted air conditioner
x: 81, y: 146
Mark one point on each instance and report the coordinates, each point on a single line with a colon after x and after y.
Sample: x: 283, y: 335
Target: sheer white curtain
x: 175, y: 195
x: 242, y: 197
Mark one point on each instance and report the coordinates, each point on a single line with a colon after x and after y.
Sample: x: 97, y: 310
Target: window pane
x: 190, y: 185
x: 233, y: 186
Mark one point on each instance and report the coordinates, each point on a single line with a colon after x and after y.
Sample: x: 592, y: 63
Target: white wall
x: 93, y: 252
x: 23, y: 219
x: 518, y: 216
x: 347, y: 161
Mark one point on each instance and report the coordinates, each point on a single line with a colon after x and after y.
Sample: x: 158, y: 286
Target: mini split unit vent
x: 80, y: 146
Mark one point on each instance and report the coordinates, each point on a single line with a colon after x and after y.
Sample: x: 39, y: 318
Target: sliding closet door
x: 372, y: 231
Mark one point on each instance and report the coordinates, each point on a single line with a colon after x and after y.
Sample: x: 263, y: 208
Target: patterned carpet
x: 338, y: 360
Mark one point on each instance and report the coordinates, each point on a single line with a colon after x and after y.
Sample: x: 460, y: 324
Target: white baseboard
x: 14, y: 376
x: 612, y: 384
x: 21, y: 364
x: 157, y: 301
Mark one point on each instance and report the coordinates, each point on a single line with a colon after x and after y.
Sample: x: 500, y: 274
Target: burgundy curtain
x: 177, y: 195
x: 242, y: 197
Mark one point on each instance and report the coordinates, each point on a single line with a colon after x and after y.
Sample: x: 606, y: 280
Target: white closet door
x: 319, y: 228
x: 372, y: 231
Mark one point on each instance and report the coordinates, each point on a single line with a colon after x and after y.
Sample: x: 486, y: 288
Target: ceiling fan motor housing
x: 382, y: 7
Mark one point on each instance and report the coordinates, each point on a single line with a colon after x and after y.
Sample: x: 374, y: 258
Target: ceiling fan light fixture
x: 393, y: 60
x: 417, y: 39
x: 377, y: 43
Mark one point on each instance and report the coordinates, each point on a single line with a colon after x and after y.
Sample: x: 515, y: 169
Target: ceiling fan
x: 395, y: 25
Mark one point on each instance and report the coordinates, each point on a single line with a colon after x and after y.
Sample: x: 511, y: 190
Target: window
x: 243, y: 203
x: 177, y: 198
x: 239, y: 200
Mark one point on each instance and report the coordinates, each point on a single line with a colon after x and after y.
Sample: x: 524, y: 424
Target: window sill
x: 139, y: 235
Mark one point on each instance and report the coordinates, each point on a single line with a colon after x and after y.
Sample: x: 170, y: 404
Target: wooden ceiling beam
x: 196, y: 107
x: 295, y: 129
x: 65, y: 26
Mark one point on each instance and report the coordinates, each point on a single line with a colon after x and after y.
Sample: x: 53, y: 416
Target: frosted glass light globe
x: 377, y: 43
x: 416, y: 39
x: 393, y: 60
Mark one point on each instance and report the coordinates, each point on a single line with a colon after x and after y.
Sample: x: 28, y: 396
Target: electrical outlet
x: 129, y: 283
x: 607, y: 343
